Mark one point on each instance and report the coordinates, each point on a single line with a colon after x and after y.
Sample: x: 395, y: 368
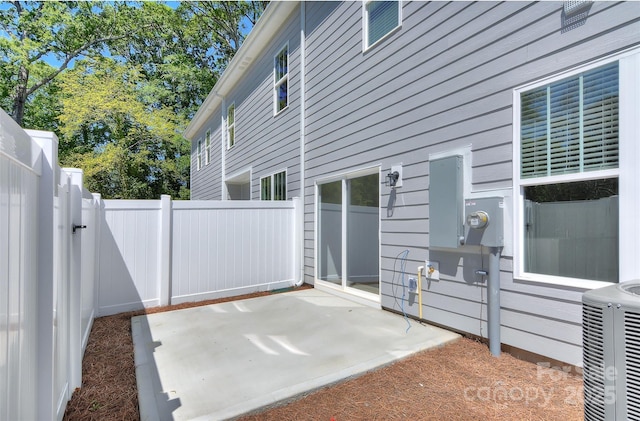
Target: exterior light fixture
x: 392, y: 178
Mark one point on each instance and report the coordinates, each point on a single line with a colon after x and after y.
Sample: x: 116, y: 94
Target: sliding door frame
x: 342, y: 289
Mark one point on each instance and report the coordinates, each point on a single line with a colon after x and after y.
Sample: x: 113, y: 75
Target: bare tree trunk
x: 21, y: 95
x: 23, y: 78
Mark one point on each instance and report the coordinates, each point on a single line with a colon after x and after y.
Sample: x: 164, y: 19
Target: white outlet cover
x: 436, y: 273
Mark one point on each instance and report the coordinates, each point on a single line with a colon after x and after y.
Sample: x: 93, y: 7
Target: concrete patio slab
x: 220, y: 361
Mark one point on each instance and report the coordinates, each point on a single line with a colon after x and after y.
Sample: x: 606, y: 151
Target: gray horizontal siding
x: 444, y: 81
x: 206, y: 183
x: 264, y: 142
x: 442, y: 99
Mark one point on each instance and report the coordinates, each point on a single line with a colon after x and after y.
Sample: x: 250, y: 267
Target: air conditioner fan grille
x: 593, y: 360
x: 632, y: 363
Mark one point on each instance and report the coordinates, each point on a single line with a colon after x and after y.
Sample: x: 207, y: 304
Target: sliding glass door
x: 363, y: 245
x: 348, y: 232
x: 330, y: 232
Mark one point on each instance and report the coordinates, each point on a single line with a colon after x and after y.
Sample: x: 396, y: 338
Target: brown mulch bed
x: 459, y: 381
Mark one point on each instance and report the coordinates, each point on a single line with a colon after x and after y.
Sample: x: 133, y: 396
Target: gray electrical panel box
x: 484, y: 222
x: 446, y: 224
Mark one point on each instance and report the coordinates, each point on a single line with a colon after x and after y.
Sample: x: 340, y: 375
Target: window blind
x: 571, y: 126
x: 382, y: 18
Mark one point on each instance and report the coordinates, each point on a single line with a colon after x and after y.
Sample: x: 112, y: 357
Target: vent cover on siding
x: 576, y: 6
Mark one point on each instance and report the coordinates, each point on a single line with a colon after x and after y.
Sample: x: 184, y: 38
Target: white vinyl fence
x: 66, y: 256
x: 19, y: 180
x: 229, y: 248
x: 587, y: 246
x: 159, y: 252
x: 47, y: 275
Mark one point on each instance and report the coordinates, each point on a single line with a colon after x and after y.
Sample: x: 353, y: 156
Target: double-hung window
x: 274, y: 186
x: 231, y: 126
x: 567, y: 166
x: 199, y: 155
x: 207, y: 147
x: 281, y: 80
x: 380, y: 19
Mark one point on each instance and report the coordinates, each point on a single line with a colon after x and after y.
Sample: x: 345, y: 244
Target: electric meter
x: 484, y: 221
x: 478, y: 220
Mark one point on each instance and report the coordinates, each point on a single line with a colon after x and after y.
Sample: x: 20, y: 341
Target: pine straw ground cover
x: 459, y: 381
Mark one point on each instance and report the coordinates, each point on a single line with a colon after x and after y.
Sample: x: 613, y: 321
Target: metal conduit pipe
x: 420, y: 269
x: 493, y: 300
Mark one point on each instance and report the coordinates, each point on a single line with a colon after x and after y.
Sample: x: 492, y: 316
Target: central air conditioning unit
x: 611, y: 350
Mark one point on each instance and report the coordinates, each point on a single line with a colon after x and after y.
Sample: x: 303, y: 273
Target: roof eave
x: 262, y: 33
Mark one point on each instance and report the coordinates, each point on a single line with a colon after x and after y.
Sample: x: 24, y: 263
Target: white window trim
x: 271, y: 176
x: 277, y: 83
x: 359, y: 172
x: 365, y: 26
x: 627, y: 173
x: 232, y: 126
x: 207, y: 147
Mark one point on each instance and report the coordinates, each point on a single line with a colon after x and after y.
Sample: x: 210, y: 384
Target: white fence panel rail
x: 232, y: 247
x: 61, y: 296
x: 160, y: 252
x: 129, y: 256
x: 19, y: 177
x: 89, y: 257
x: 46, y: 308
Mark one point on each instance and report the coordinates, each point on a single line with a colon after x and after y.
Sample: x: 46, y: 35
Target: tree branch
x: 75, y: 53
x: 40, y: 55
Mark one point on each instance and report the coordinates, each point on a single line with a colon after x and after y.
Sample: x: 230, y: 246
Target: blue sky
x: 53, y: 61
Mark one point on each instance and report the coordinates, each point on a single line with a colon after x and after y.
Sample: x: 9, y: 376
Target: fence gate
x: 61, y: 289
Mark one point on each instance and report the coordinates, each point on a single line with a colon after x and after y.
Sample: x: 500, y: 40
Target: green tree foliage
x: 175, y: 62
x: 219, y: 26
x: 128, y: 148
x: 35, y: 31
x: 118, y: 82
